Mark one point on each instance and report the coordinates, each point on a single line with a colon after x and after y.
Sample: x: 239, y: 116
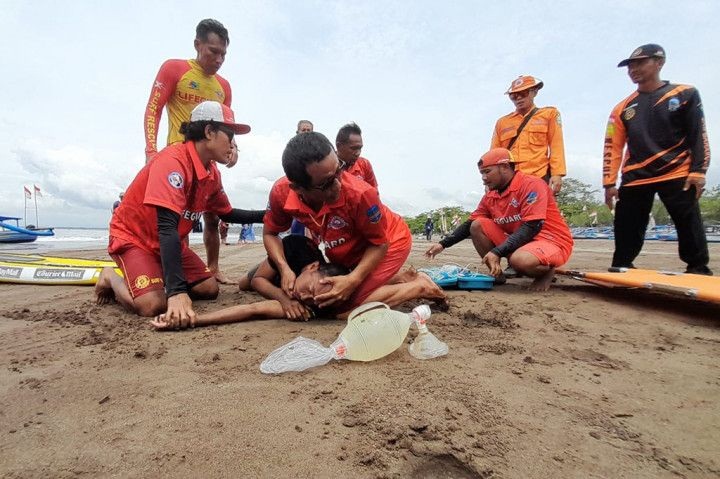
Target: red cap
x: 523, y: 82
x: 214, y: 111
x: 496, y: 156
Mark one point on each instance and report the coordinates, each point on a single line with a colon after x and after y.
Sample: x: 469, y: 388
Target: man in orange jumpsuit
x: 538, y: 148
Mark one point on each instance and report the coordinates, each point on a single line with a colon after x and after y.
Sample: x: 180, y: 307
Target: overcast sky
x: 424, y: 80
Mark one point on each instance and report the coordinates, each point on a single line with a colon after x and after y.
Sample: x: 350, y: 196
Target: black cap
x: 645, y: 51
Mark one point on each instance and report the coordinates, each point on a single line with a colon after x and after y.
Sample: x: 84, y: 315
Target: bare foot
x: 103, y: 288
x: 404, y: 277
x: 244, y: 283
x: 542, y: 283
x: 222, y: 279
x: 430, y: 289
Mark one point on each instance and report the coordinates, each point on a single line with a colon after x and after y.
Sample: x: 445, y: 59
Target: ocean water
x: 72, y: 239
x: 96, y: 238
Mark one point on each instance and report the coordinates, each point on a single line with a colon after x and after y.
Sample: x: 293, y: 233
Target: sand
x: 577, y: 382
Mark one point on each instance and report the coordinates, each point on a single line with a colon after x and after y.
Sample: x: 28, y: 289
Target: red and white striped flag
x: 37, y: 190
x: 28, y: 193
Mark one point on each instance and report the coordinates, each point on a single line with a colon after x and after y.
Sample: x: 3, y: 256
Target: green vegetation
x: 417, y: 223
x: 579, y: 203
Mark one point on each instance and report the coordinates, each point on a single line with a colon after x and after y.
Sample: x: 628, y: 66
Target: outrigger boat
x: 10, y: 233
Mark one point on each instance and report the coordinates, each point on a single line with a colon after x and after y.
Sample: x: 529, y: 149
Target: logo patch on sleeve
x: 374, y: 214
x: 531, y: 198
x: 176, y: 180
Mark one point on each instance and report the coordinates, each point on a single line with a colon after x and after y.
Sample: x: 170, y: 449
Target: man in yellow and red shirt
x: 517, y: 219
x: 343, y: 213
x: 349, y: 145
x: 538, y: 149
x: 148, y: 229
x: 657, y: 138
x: 180, y: 86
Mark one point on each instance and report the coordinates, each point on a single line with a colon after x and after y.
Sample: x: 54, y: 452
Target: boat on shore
x: 14, y: 233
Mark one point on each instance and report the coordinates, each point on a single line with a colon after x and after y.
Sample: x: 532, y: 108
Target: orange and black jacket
x: 665, y: 134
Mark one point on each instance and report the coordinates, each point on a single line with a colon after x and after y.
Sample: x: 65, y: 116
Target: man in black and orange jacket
x: 657, y: 138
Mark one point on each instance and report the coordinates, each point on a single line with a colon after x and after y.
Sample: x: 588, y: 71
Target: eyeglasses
x: 330, y: 182
x: 230, y: 134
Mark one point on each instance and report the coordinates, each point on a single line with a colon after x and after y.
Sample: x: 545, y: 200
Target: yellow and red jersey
x: 180, y: 85
x: 527, y: 198
x: 656, y: 136
x: 346, y: 227
x: 363, y: 170
x: 177, y: 180
x: 539, y: 149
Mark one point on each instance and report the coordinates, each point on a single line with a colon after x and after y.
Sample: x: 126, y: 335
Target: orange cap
x: 496, y: 156
x: 523, y: 82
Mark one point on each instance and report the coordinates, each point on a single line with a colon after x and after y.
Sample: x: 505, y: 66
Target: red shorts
x: 386, y: 269
x: 143, y: 270
x: 548, y: 253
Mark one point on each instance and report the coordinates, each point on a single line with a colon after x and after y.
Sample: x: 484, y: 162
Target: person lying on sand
x: 517, y: 219
x: 311, y: 271
x: 310, y: 283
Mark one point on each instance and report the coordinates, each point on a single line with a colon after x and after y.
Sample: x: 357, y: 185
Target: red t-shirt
x: 177, y: 180
x: 363, y: 170
x: 527, y: 198
x: 347, y: 227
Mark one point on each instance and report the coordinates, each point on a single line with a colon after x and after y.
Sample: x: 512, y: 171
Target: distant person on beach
x: 179, y: 86
x: 429, y: 226
x: 147, y: 232
x: 223, y: 229
x: 247, y: 235
x: 307, y: 262
x: 517, y: 219
x: 117, y: 202
x: 349, y: 145
x: 532, y: 134
x: 304, y: 126
x: 345, y: 213
x: 657, y: 137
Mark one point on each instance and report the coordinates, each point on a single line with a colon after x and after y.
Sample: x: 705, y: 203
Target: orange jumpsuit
x: 539, y: 151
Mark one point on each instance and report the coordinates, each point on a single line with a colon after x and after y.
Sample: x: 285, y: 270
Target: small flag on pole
x: 28, y: 193
x: 37, y: 190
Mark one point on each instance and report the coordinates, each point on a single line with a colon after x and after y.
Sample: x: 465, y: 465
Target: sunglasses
x: 330, y: 182
x: 520, y: 94
x: 230, y: 134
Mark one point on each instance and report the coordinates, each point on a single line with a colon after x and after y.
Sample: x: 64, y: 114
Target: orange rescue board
x: 696, y: 286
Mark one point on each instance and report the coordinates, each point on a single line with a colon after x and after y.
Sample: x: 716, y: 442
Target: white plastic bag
x: 297, y: 355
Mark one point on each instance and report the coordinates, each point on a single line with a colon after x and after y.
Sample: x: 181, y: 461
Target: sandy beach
x: 581, y: 381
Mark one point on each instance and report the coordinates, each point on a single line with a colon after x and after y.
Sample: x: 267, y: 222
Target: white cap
x: 214, y: 111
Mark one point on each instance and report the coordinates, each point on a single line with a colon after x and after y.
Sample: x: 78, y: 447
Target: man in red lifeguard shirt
x: 180, y: 86
x: 518, y: 219
x: 343, y: 213
x: 349, y: 145
x: 148, y: 229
